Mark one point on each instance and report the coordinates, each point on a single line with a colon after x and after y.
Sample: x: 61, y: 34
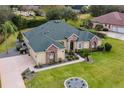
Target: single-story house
x: 48, y: 42
x: 25, y: 13
x: 113, y: 21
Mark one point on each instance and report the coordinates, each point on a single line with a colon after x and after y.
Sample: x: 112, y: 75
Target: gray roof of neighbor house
x: 44, y: 35
x: 114, y: 18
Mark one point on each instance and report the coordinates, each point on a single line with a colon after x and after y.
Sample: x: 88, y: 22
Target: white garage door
x: 118, y: 29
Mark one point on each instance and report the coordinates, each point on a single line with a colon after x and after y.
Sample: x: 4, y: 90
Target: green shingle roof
x: 44, y: 35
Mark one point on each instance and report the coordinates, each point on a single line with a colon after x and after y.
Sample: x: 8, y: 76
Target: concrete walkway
x: 119, y: 36
x: 11, y: 69
x: 60, y: 65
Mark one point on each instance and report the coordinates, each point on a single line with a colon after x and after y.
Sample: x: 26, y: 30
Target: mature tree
x: 39, y: 12
x: 8, y: 27
x: 5, y: 14
x: 97, y: 10
x: 19, y: 21
x: 84, y: 9
x: 53, y: 14
x: 61, y: 13
x: 86, y: 23
x: 68, y: 13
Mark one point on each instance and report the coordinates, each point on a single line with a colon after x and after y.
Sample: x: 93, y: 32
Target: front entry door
x: 71, y: 45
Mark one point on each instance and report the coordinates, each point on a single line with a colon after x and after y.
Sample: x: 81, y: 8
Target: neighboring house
x: 48, y: 42
x: 25, y: 13
x: 114, y: 21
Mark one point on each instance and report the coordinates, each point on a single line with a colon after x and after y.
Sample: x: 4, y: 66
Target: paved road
x: 115, y: 35
x: 11, y: 52
x: 11, y: 69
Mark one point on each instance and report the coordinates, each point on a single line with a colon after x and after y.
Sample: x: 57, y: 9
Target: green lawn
x: 106, y: 71
x: 11, y: 41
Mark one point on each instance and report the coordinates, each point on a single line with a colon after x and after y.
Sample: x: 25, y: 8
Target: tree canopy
x: 61, y: 13
x: 97, y: 10
x: 5, y: 14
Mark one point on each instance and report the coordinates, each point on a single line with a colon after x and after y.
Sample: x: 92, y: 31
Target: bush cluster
x: 99, y: 27
x: 105, y: 29
x: 23, y: 23
x: 86, y: 24
x: 105, y: 47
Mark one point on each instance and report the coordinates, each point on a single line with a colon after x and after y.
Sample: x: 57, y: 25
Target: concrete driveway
x: 115, y: 35
x: 11, y: 69
x: 11, y: 52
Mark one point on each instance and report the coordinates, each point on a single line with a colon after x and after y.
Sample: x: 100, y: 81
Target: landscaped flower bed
x: 71, y: 56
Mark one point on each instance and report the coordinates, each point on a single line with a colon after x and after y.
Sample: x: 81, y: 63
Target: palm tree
x: 8, y: 28
x: 86, y: 54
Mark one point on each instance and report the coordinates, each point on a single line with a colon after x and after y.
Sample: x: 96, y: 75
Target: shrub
x: 105, y: 29
x: 66, y: 51
x: 71, y: 52
x: 20, y: 37
x: 87, y: 24
x: 60, y: 59
x: 86, y: 53
x: 100, y: 48
x: 99, y: 27
x: 108, y: 47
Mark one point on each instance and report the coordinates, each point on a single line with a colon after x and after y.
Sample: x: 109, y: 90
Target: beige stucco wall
x: 33, y: 54
x: 77, y: 46
x: 99, y: 42
x: 41, y: 57
x: 86, y: 44
x: 61, y: 54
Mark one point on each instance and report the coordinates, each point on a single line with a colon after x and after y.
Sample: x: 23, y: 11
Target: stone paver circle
x: 75, y: 82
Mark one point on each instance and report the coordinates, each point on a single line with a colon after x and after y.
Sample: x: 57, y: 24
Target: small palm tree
x: 8, y: 28
x: 86, y: 54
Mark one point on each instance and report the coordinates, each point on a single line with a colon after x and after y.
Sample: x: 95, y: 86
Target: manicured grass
x: 11, y: 41
x: 75, y: 23
x: 106, y: 71
x: 78, y: 22
x: 84, y: 16
x: 34, y: 17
